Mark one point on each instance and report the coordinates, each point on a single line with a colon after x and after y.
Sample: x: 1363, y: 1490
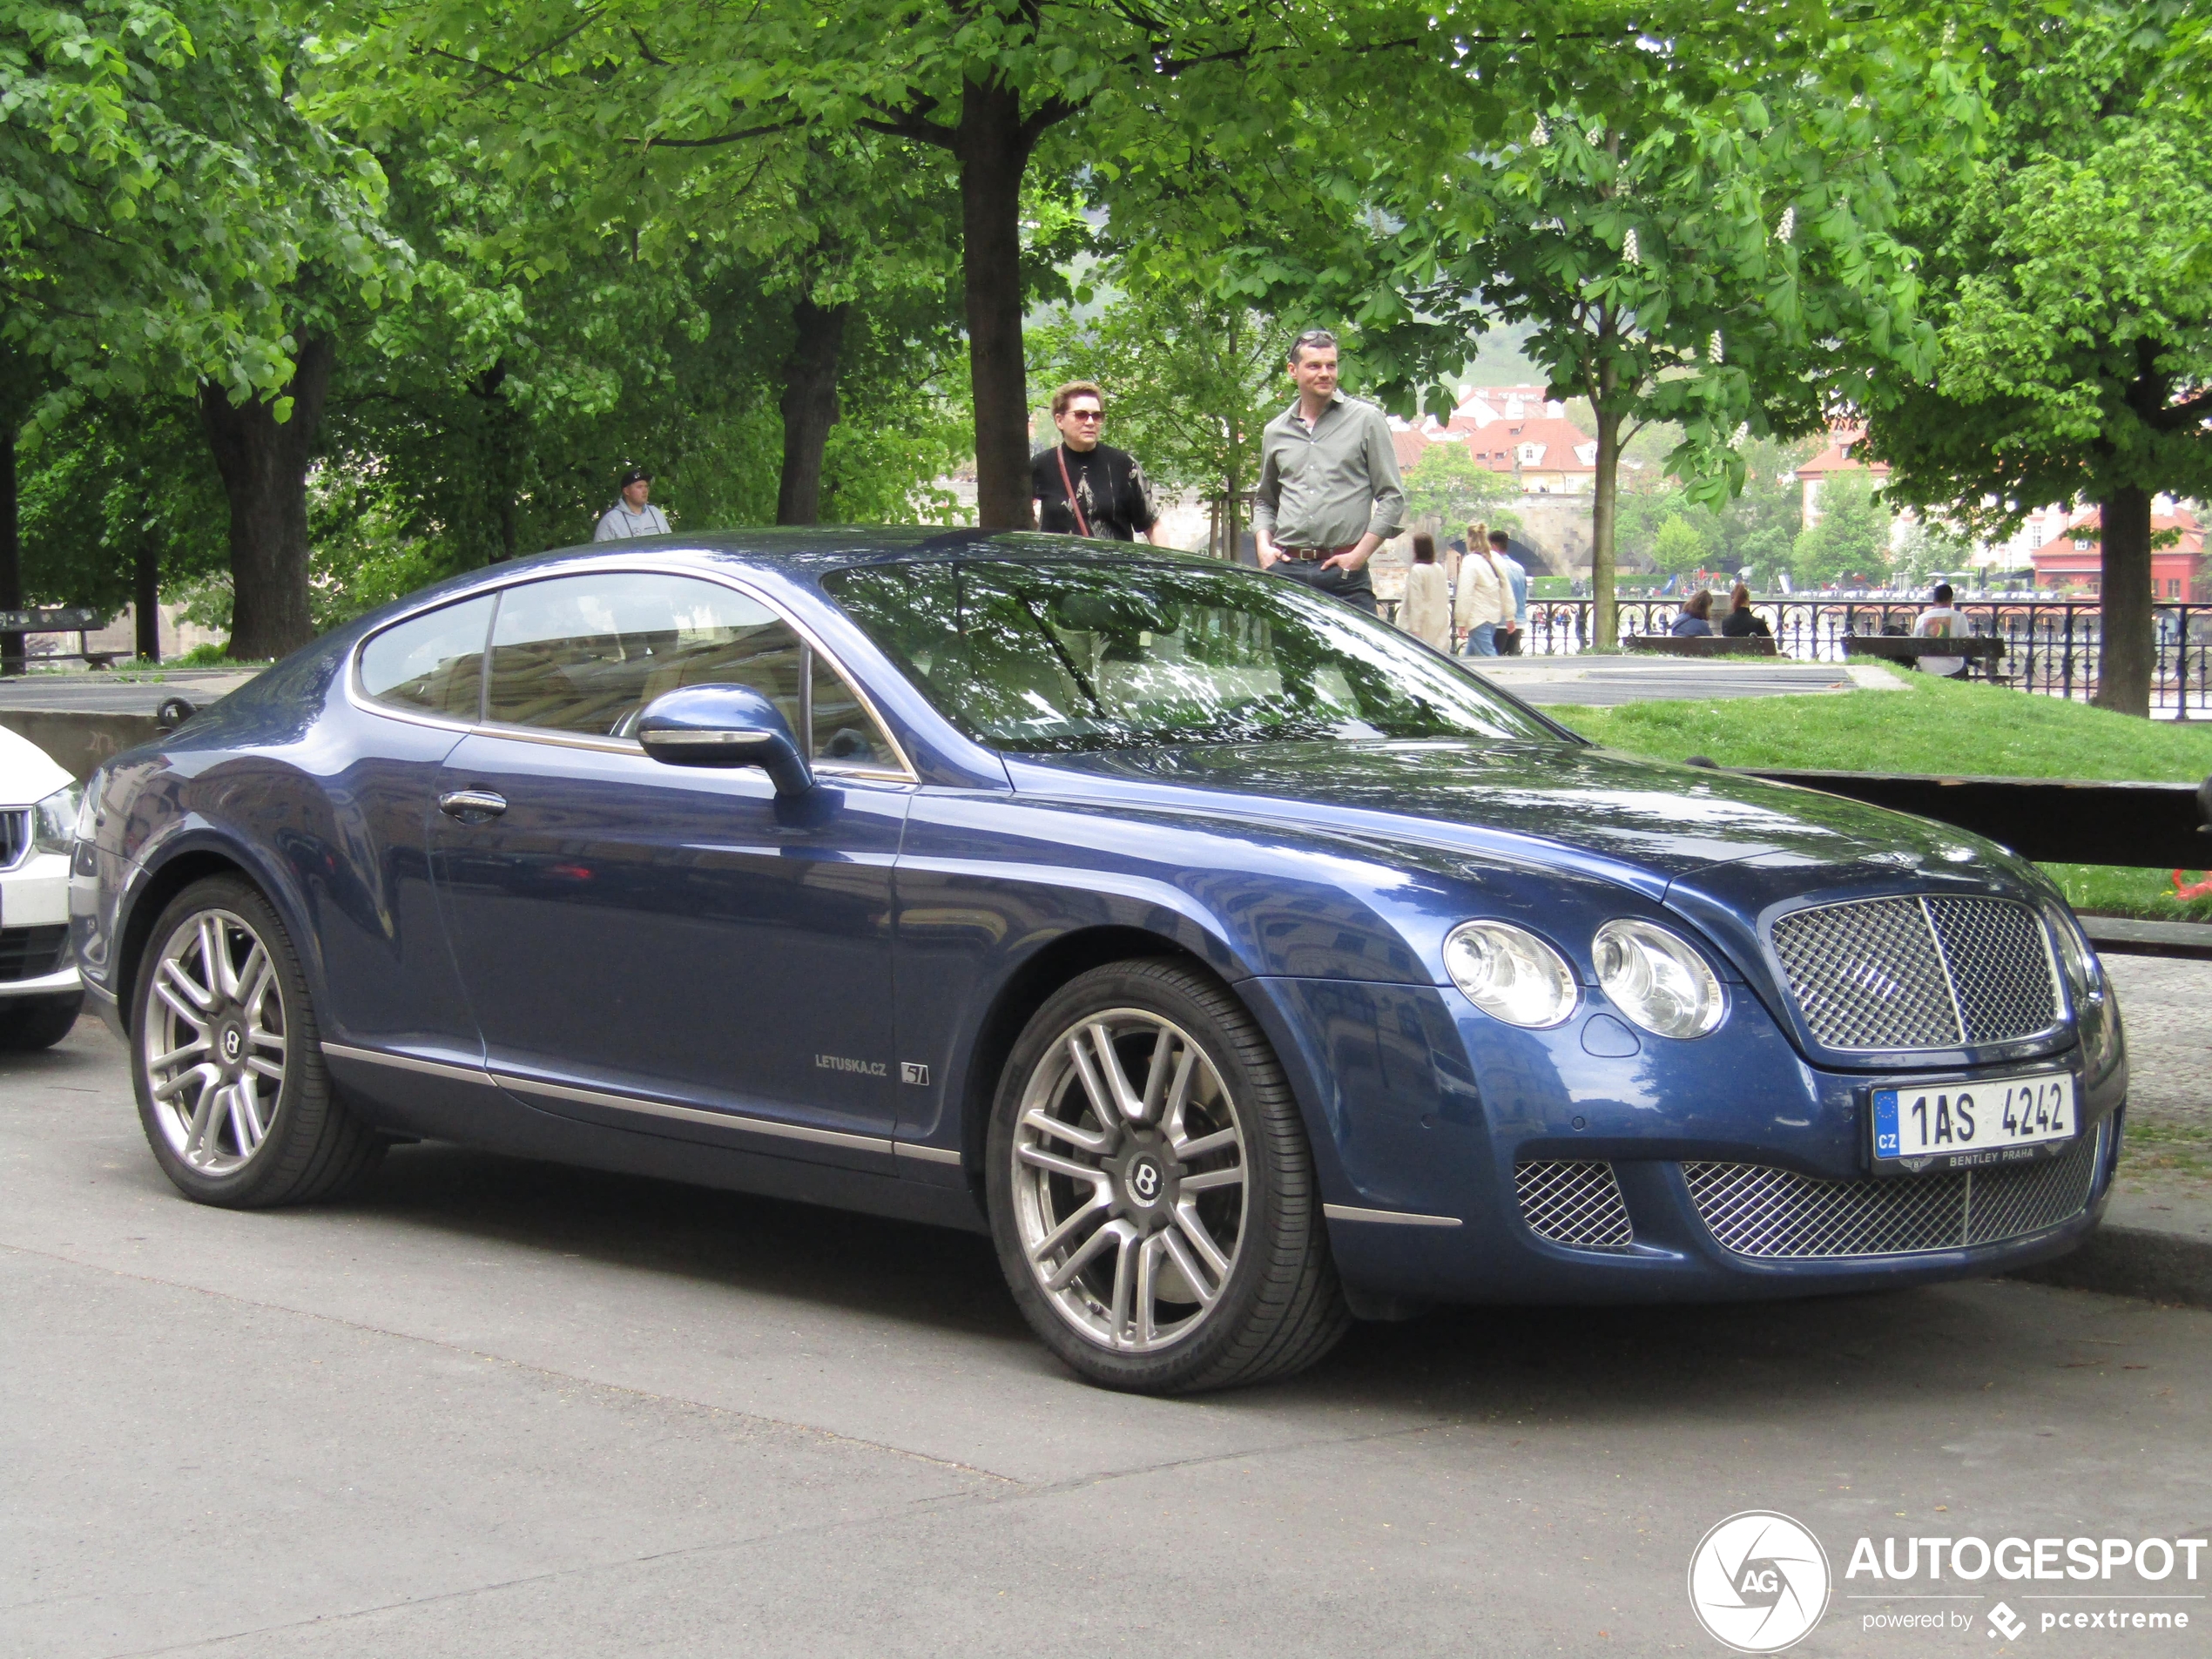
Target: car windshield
x: 1042, y: 656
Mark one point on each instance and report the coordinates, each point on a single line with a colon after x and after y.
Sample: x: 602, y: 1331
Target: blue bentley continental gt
x: 1241, y: 965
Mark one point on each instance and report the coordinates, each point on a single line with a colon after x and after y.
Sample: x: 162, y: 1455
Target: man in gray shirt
x: 632, y: 514
x: 1329, y: 491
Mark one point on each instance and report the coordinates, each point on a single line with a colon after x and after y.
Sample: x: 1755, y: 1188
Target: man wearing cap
x: 1329, y: 491
x: 630, y: 515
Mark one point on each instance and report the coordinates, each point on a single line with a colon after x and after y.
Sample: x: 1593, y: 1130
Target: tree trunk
x: 2124, y: 593
x: 993, y: 148
x: 1605, y: 620
x: 810, y: 407
x: 145, y: 598
x: 11, y: 550
x: 500, y: 468
x: 264, y: 467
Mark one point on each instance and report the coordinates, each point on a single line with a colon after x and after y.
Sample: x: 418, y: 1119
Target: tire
x: 28, y: 1023
x: 1165, y: 1236
x: 207, y: 1049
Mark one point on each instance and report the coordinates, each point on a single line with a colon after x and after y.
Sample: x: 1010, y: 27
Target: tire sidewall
x: 1165, y: 989
x: 302, y: 1058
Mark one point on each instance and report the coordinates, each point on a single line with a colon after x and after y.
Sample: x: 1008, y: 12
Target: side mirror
x: 725, y: 726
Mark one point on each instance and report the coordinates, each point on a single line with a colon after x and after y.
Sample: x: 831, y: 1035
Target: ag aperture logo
x: 1758, y: 1582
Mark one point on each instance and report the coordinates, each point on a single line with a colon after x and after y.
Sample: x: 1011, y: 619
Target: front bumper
x: 1423, y: 1112
x: 35, y: 957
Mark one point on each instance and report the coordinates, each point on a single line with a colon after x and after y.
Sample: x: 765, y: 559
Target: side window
x: 585, y: 653
x: 432, y: 663
x: 843, y: 730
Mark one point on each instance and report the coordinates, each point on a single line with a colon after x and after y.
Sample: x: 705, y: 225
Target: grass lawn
x: 1938, y: 725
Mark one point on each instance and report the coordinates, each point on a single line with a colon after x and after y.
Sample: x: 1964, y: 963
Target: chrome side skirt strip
x: 1397, y: 1217
x: 656, y: 1108
x: 405, y: 1063
x: 694, y: 1115
x: 927, y: 1154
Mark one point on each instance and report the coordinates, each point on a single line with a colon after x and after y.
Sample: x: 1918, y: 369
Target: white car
x: 40, y: 994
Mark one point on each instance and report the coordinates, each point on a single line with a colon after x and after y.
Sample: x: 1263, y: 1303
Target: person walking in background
x: 1941, y: 621
x: 1426, y: 610
x: 1485, y: 597
x: 1329, y: 492
x: 1742, y: 622
x: 1509, y: 637
x: 1082, y: 487
x: 632, y: 514
x: 1697, y: 618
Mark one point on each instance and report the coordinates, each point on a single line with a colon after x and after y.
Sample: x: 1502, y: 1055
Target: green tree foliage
x: 159, y: 189
x: 1016, y: 96
x: 1680, y: 548
x: 2073, y: 300
x: 1448, y: 485
x: 1850, y: 536
x: 1689, y: 235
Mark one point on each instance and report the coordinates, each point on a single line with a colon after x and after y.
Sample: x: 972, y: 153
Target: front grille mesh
x: 1574, y: 1202
x: 15, y: 838
x: 1755, y: 1210
x: 1919, y: 973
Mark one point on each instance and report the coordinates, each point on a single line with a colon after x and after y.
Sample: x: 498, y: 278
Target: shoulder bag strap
x: 1082, y: 524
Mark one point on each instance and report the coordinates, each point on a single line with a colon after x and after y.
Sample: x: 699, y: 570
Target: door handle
x: 472, y: 806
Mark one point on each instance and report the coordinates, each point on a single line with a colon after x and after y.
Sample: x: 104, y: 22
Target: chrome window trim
x: 905, y: 773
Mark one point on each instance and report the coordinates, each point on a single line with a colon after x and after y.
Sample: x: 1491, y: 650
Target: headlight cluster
x: 1655, y: 978
x: 1509, y: 973
x: 2095, y: 1011
x: 53, y: 821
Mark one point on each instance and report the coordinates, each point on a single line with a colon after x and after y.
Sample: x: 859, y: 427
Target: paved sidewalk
x: 121, y: 691
x: 1607, y: 682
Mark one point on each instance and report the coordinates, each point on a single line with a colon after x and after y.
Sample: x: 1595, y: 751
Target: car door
x: 393, y: 992
x: 666, y: 947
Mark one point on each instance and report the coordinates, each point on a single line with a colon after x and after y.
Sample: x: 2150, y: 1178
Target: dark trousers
x: 1350, y: 586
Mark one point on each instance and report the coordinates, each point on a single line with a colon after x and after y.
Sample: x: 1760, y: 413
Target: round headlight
x: 1509, y: 973
x: 1657, y: 979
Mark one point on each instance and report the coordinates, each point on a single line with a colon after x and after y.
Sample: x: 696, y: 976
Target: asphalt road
x: 492, y: 1408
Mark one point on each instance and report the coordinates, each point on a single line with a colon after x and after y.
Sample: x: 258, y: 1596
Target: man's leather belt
x: 1310, y: 554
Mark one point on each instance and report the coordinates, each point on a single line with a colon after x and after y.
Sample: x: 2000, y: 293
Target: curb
x: 2129, y: 1261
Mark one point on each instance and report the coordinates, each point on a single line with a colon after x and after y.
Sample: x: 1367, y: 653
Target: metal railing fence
x: 2052, y: 646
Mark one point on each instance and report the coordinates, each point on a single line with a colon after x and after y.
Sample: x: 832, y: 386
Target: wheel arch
x: 1026, y: 990
x: 178, y: 869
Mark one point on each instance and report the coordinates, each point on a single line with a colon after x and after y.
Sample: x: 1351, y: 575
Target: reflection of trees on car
x: 1041, y: 658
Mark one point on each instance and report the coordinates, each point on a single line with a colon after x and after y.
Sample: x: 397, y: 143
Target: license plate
x: 1952, y: 1126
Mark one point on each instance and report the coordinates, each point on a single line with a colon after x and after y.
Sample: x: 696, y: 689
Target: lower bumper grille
x: 1754, y: 1210
x: 1575, y: 1202
x: 32, y: 953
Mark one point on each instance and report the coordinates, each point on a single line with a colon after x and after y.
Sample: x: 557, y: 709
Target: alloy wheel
x: 1128, y: 1166
x: 213, y: 1042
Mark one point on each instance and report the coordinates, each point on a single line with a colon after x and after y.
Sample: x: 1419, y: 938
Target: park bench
x: 1701, y: 645
x: 72, y: 621
x: 1985, y: 649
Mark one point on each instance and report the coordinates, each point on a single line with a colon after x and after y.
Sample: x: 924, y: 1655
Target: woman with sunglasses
x: 1082, y: 487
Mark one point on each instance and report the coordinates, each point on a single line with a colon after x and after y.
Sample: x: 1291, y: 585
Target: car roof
x: 813, y: 553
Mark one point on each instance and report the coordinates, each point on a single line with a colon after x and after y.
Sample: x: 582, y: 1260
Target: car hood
x: 1638, y: 816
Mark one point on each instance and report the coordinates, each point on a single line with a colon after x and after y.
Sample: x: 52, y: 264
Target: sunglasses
x: 1086, y: 414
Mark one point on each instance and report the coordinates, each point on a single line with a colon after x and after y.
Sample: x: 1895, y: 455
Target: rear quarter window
x: 433, y: 663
